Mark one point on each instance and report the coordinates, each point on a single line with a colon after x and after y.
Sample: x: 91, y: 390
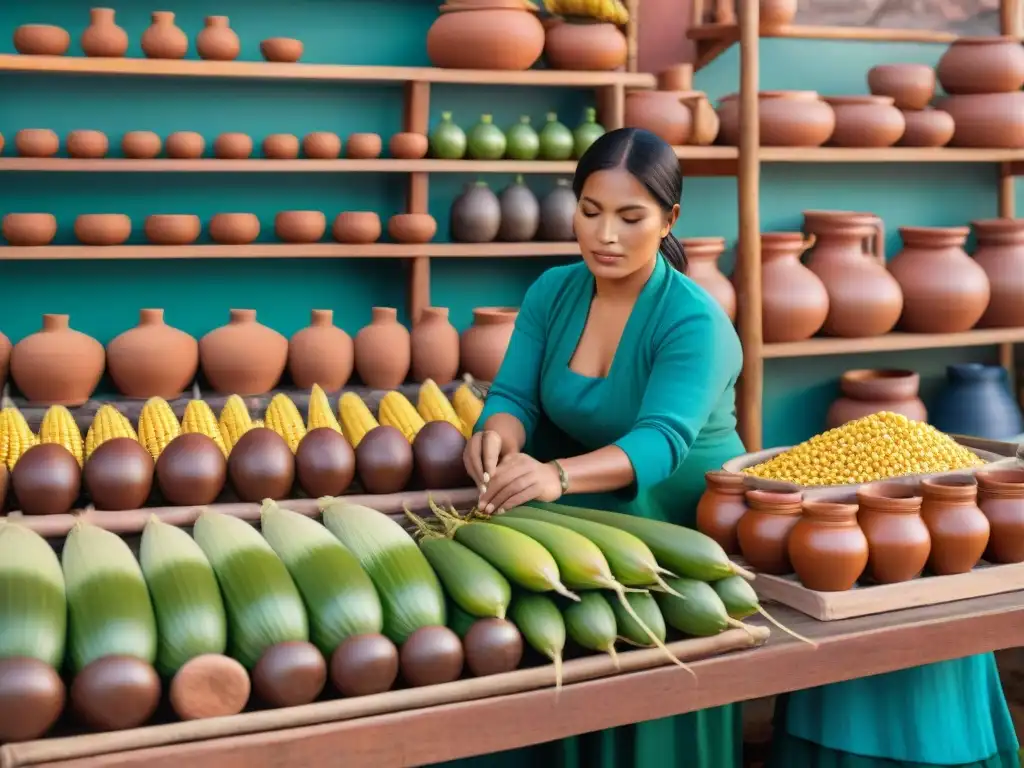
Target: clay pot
x: 140, y: 145
x: 408, y: 146
x: 152, y: 359
x: 482, y: 346
x: 435, y: 347
x: 363, y: 146
x: 29, y: 229
x: 865, y: 121
x: 322, y: 353
x: 88, y: 145
x: 281, y: 146
x: 994, y: 120
x: 103, y: 228
x: 959, y: 529
x: 873, y: 391
x: 217, y: 41
x: 763, y: 532
x: 705, y: 120
x: 678, y: 77
x: 898, y: 539
x: 185, y: 145
x: 927, y: 128
x: 777, y: 13
x: 849, y: 258
x: 357, y: 227
x: 1001, y: 498
x: 172, y: 228
x: 1000, y: 253
x: 36, y: 142
x: 232, y: 146
x: 475, y: 215
x: 794, y: 300
x: 978, y: 400
x: 662, y: 113
x: 982, y: 65
x: 234, y: 228
x: 57, y: 365
x: 287, y: 50
x: 413, y: 228
x: 721, y: 507
x: 520, y: 213
x: 41, y: 40
x: 786, y: 119
x: 103, y: 37
x: 243, y: 357
x: 321, y: 145
x: 5, y: 361
x: 468, y: 36
x: 911, y: 86
x: 557, y: 210
x: 300, y: 226
x: 703, y: 253
x: 827, y: 548
x: 944, y: 290
x: 590, y: 46
x: 383, y: 350
x: 163, y: 39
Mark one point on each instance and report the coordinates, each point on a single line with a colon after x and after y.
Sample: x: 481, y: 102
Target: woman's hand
x: 520, y: 479
x: 482, y: 454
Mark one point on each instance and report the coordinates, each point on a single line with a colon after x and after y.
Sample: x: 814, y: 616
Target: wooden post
x: 417, y: 120
x: 1007, y: 210
x: 632, y: 35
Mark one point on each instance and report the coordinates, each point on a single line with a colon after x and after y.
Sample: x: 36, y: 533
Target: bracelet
x: 563, y: 478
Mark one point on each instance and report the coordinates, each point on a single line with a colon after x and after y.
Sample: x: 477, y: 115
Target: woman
x: 617, y: 392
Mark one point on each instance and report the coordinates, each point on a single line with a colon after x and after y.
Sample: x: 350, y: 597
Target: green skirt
x: 789, y: 751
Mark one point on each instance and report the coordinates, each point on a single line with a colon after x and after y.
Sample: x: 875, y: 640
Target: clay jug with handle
x: 794, y: 300
x: 152, y: 359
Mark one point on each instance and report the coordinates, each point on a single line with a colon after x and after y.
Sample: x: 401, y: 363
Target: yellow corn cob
x: 107, y: 424
x: 59, y: 427
x: 356, y: 419
x: 284, y: 418
x: 396, y: 411
x: 434, y: 406
x: 321, y: 415
x: 199, y: 419
x: 15, y: 436
x: 258, y: 424
x: 468, y: 406
x: 234, y: 422
x: 157, y: 426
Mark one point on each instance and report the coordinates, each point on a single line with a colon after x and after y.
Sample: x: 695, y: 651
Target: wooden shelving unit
x: 212, y: 165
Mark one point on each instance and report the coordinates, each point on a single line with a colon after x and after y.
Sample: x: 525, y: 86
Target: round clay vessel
x: 281, y: 146
x: 982, y: 65
x: 911, y: 86
x: 162, y: 39
x: 383, y: 352
x: 185, y: 145
x: 232, y: 146
x: 959, y: 529
x: 217, y: 41
x: 243, y: 357
x: 898, y: 540
x: 408, y: 146
x: 36, y: 142
x: 702, y: 254
x: 1000, y: 253
x: 57, y: 365
x: 357, y: 227
x: 1001, y: 498
x: 983, y: 120
x: 557, y: 209
x: 287, y: 50
x: 300, y: 226
x: 865, y: 121
x: 152, y: 359
x: 935, y: 272
x: 41, y: 40
x: 482, y: 346
x: 412, y: 228
x: 520, y: 213
x: 141, y: 145
x: 827, y: 548
x: 321, y: 145
x: 435, y: 347
x: 795, y: 301
x: 786, y: 119
x: 87, y: 144
x: 103, y: 37
x: 363, y: 146
x: 103, y: 228
x: 172, y: 228
x: 777, y: 13
x: 29, y: 229
x: 721, y: 507
x: 322, y: 353
x: 763, y: 532
x: 234, y: 228
x: 475, y: 215
x: 585, y: 46
x: 873, y: 391
x: 663, y: 113
x: 481, y: 37
x: 927, y: 128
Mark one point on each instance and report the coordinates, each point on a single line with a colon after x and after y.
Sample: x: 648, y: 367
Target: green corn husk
x: 459, y: 621
x: 475, y: 585
x: 646, y: 607
x: 591, y: 624
x: 542, y: 626
x: 33, y: 603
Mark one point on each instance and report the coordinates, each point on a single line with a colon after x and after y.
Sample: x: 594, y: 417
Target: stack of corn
x: 234, y: 422
x: 158, y: 426
x: 107, y: 424
x: 199, y: 419
x: 59, y: 428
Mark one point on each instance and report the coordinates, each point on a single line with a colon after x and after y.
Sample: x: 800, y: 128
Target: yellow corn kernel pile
x: 234, y: 422
x: 434, y: 406
x: 396, y: 411
x: 59, y: 427
x: 356, y: 419
x: 321, y: 415
x: 107, y: 424
x: 157, y: 426
x: 199, y: 419
x: 16, y: 436
x: 871, y: 448
x: 468, y: 406
x: 283, y: 417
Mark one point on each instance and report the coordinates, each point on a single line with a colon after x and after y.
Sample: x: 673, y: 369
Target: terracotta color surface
x: 322, y: 353
x: 1001, y: 498
x: 153, y: 359
x: 1000, y: 253
x: 702, y: 254
x: 827, y: 547
x: 795, y: 299
x: 483, y: 344
x: 865, y: 121
x: 57, y: 365
x: 763, y: 532
x: 982, y: 65
x: 959, y: 529
x: 435, y: 347
x: 721, y: 508
x: 217, y: 41
x: 103, y: 37
x: 987, y: 119
x: 243, y: 357
x: 590, y: 47
x: 163, y: 39
x: 786, y: 118
x: 927, y: 128
x: 383, y: 351
x: 509, y: 38
x: 210, y: 685
x: 871, y: 391
x: 5, y: 358
x: 662, y: 113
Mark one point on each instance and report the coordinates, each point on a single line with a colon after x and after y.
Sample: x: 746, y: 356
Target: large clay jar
x: 435, y: 347
x: 592, y: 46
x: 163, y: 39
x: 663, y: 113
x: 959, y: 529
x: 243, y: 357
x: 982, y: 65
x: 865, y: 121
x: 1000, y: 253
x: 485, y: 35
x: 944, y: 290
x: 786, y: 119
x: 217, y: 41
x: 898, y: 540
x: 827, y: 548
x: 702, y: 254
x: 57, y: 365
x: 721, y: 508
x: 794, y: 300
x: 987, y: 120
x: 1001, y: 498
x: 483, y: 345
x: 322, y: 353
x: 383, y: 350
x: 863, y: 298
x: 977, y: 401
x: 103, y: 37
x: 152, y: 359
x: 475, y: 215
x: 873, y: 391
x: 763, y: 532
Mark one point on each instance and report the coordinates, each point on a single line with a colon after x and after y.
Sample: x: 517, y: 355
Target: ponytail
x: 674, y: 253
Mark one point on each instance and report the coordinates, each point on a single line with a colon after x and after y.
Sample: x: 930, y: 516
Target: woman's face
x: 619, y: 226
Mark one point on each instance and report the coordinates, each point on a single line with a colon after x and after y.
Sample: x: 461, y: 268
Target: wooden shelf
x: 887, y: 155
x: 212, y: 165
x: 894, y: 342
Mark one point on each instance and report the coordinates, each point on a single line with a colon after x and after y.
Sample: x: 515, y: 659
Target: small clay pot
x: 872, y: 391
x: 763, y: 532
x: 234, y: 228
x: 153, y: 359
x: 827, y: 548
x: 163, y: 39
x: 36, y: 142
x: 911, y: 86
x: 103, y: 228
x: 243, y: 357
x: 321, y: 145
x: 485, y: 35
x: 898, y: 539
x: 594, y: 47
x: 409, y: 146
x: 786, y: 119
x: 357, y: 227
x: 282, y: 49
x: 702, y: 254
x: 363, y: 146
x: 232, y: 146
x: 865, y: 121
x: 89, y: 145
x: 982, y: 65
x: 482, y: 346
x: 663, y: 113
x: 103, y: 37
x: 435, y: 347
x: 412, y: 228
x: 796, y: 302
x: 721, y: 507
x: 927, y: 128
x: 29, y: 229
x: 217, y: 41
x: 57, y: 365
x: 172, y: 228
x: 383, y: 350
x: 1001, y: 498
x: 281, y: 146
x: 141, y: 145
x: 300, y: 226
x: 185, y: 145
x: 959, y: 529
x: 322, y: 353
x: 41, y: 40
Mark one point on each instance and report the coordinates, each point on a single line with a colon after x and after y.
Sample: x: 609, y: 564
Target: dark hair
x: 650, y: 161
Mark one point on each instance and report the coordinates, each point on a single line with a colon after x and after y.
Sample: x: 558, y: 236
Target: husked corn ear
x: 284, y: 418
x: 356, y: 419
x: 468, y: 406
x: 396, y: 411
x: 199, y: 419
x: 107, y: 424
x: 234, y: 422
x: 157, y: 426
x: 15, y: 436
x: 59, y: 427
x: 258, y: 424
x: 434, y: 406
x: 321, y: 415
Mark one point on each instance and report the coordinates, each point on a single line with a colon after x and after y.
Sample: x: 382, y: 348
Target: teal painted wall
x: 103, y: 297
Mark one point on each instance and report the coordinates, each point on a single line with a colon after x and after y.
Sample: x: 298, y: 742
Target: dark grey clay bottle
x: 556, y: 212
x: 475, y: 215
x: 520, y: 213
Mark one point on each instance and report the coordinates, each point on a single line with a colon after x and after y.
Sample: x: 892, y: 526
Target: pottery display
x: 786, y: 119
x: 36, y: 142
x: 57, y: 365
x: 706, y: 124
x: 1000, y: 253
x: 976, y: 400
x: 141, y: 145
x: 103, y: 37
x: 321, y: 145
x: 959, y: 529
x: 520, y: 213
x: 363, y: 146
x: 232, y: 146
x: 435, y: 347
x: 482, y: 346
x: 777, y: 13
x: 286, y: 50
x: 910, y: 86
x: 983, y: 120
x: 763, y: 532
x: 217, y: 41
x: 172, y: 229
x: 408, y: 146
x: 873, y: 391
x: 321, y: 353
x: 1001, y: 499
x: 794, y: 299
x: 944, y: 290
x: 586, y: 45
x: 300, y: 226
x: 234, y: 228
x: 505, y: 36
x: 678, y: 77
x: 927, y: 128
x: 383, y: 352
x: 152, y: 359
x: 898, y: 540
x: 660, y: 112
x: 414, y: 228
x: 557, y: 210
x: 992, y: 64
x: 280, y: 146
x: 29, y: 229
x: 87, y: 145
x: 185, y: 145
x: 702, y: 255
x: 356, y: 227
x: 103, y: 228
x: 827, y: 548
x: 163, y: 39
x: 243, y: 357
x: 475, y: 215
x: 865, y: 121
x: 41, y: 40
x: 721, y: 507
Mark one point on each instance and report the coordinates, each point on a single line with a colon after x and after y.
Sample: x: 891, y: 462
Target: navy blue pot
x: 977, y: 401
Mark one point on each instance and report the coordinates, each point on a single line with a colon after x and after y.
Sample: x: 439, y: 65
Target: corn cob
x: 468, y: 407
x: 107, y: 424
x: 284, y: 418
x: 199, y: 419
x: 234, y: 422
x: 356, y: 419
x: 15, y: 436
x: 157, y: 426
x: 59, y: 427
x: 321, y: 415
x: 258, y: 424
x: 396, y: 411
x: 434, y: 406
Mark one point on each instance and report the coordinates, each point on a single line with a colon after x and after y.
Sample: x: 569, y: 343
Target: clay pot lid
x: 872, y: 384
x: 903, y: 497
x: 935, y: 237
x: 867, y: 100
x: 829, y: 510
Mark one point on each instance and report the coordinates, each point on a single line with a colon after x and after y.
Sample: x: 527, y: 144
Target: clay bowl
x: 364, y: 146
x: 233, y: 146
x: 103, y: 228
x: 321, y: 145
x: 172, y: 228
x: 927, y: 128
x: 281, y: 146
x: 408, y: 146
x: 412, y: 227
x: 234, y: 228
x: 29, y: 228
x: 300, y: 226
x: 89, y: 145
x: 36, y: 142
x: 185, y: 145
x: 357, y: 227
x: 141, y: 145
x: 282, y: 49
x: 911, y: 86
x: 41, y: 40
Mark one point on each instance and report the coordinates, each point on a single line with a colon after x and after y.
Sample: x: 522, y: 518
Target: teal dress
x: 669, y: 403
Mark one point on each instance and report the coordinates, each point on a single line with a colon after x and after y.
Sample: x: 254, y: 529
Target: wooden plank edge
x: 893, y: 342
x: 264, y: 165
x: 810, y: 32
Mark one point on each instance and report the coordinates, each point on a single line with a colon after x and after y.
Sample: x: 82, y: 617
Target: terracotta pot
x: 983, y: 120
x: 217, y: 41
x: 873, y: 391
x: 703, y: 253
x: 234, y: 228
x: 1000, y: 253
x: 1001, y: 498
x: 162, y: 39
x: 357, y: 227
x: 57, y: 365
x: 794, y: 300
x: 865, y: 121
x: 678, y: 77
x: 827, y: 548
x: 944, y: 290
x: 777, y: 13
x: 282, y: 49
x: 88, y: 145
x: 585, y: 46
x: 281, y: 146
x: 364, y: 146
x: 29, y: 229
x: 898, y: 540
x: 911, y: 86
x: 5, y: 361
x: 959, y: 529
x: 483, y: 345
x: 172, y: 229
x: 480, y: 37
x: 141, y: 145
x: 321, y: 145
x: 36, y: 142
x: 763, y: 532
x: 982, y: 65
x: 435, y: 347
x: 412, y: 228
x: 153, y: 359
x: 41, y: 40
x: 103, y: 37
x: 662, y: 113
x: 103, y: 228
x: 927, y: 128
x: 321, y: 353
x: 849, y: 258
x: 243, y: 357
x: 232, y: 146
x: 721, y: 507
x: 185, y: 145
x: 786, y: 119
x: 383, y: 350
x: 300, y: 226
x: 408, y: 146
